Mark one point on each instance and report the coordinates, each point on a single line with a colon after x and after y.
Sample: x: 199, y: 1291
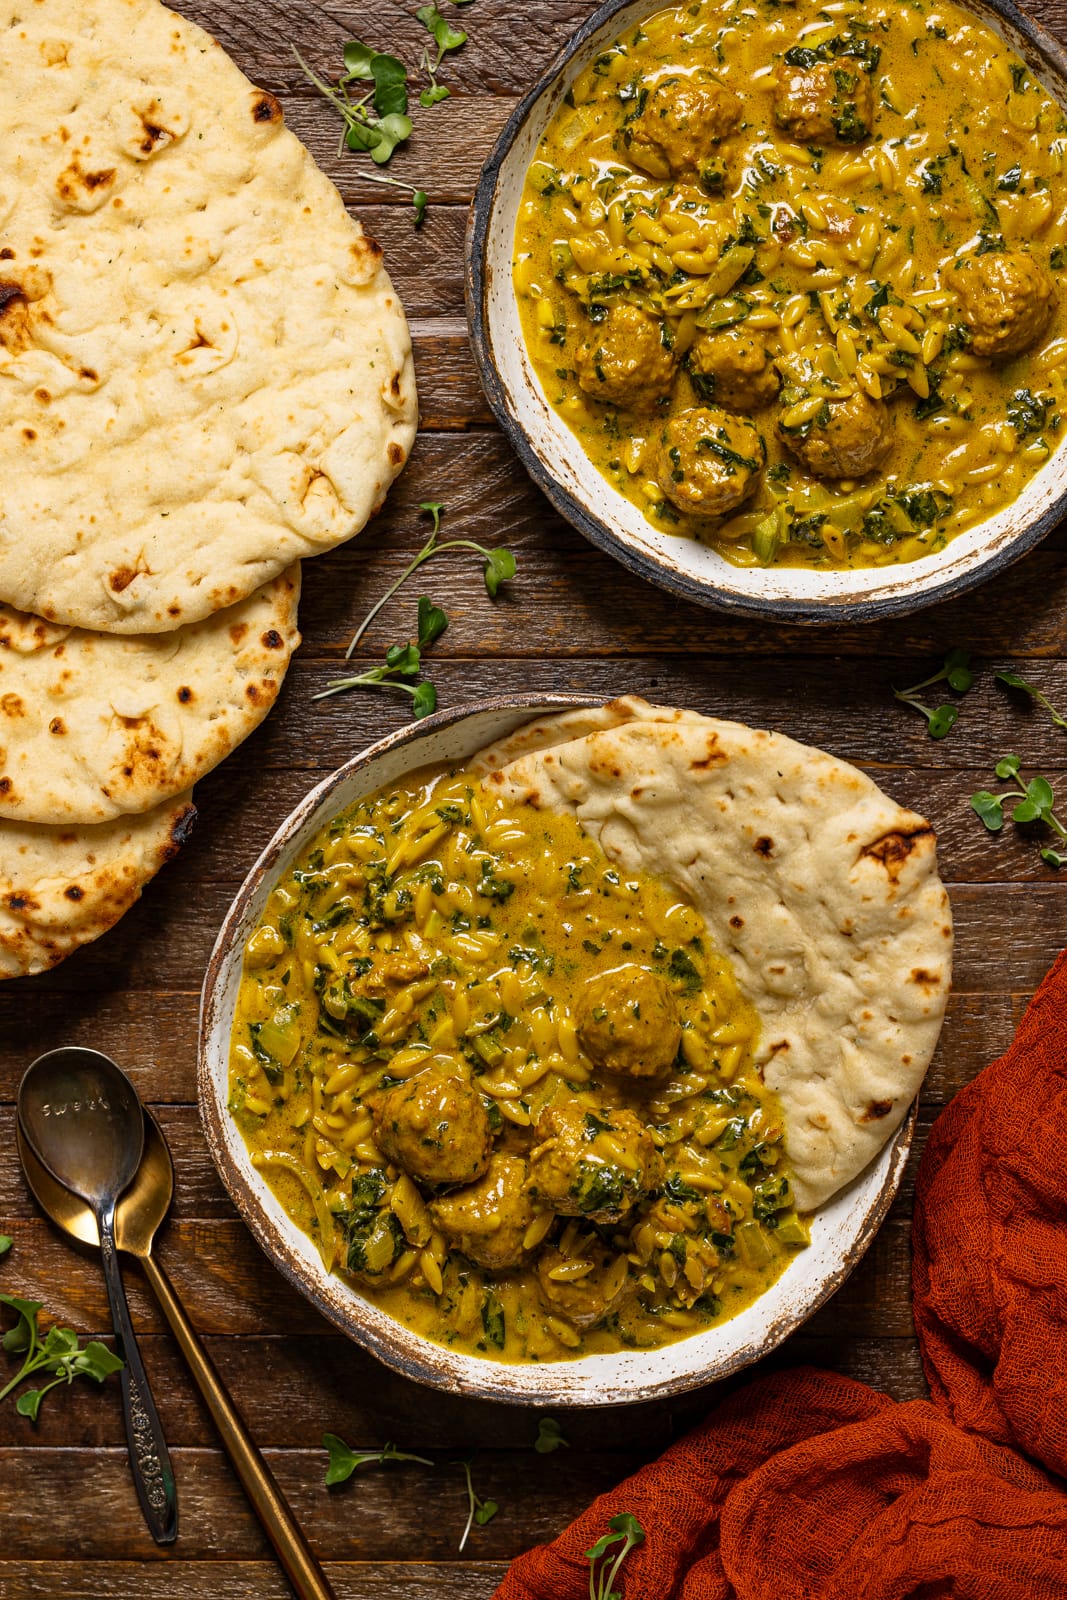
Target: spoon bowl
x: 81, y: 1115
x: 140, y: 1211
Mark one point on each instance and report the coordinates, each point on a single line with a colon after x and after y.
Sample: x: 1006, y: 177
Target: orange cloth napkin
x: 809, y: 1486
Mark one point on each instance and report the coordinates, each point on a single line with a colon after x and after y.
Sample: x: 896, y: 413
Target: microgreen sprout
x: 344, y: 1461
x: 626, y: 1532
x: 402, y: 663
x: 956, y: 672
x: 57, y: 1353
x: 5, y: 1244
x: 1012, y: 680
x: 445, y: 37
x: 499, y: 567
x: 479, y: 1511
x: 549, y: 1437
x: 1028, y: 802
x: 376, y: 122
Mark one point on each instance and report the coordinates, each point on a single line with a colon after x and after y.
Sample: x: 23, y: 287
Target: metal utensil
x: 82, y: 1117
x: 137, y: 1218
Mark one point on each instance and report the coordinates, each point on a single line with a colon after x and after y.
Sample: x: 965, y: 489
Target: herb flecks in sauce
x: 507, y: 1088
x: 840, y: 231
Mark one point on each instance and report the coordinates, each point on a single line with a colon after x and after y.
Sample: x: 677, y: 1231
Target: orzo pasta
x: 788, y: 271
x: 508, y: 1089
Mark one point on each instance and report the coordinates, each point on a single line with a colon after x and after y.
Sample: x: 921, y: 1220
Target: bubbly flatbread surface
x: 205, y: 372
x: 61, y: 888
x: 821, y: 890
x: 94, y: 725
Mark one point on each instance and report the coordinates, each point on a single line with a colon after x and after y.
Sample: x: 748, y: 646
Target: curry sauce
x: 507, y: 1088
x: 789, y: 273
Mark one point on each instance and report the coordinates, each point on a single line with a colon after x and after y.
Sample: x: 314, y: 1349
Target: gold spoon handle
x: 268, y: 1502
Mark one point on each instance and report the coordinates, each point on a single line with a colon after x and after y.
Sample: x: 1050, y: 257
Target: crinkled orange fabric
x: 809, y: 1486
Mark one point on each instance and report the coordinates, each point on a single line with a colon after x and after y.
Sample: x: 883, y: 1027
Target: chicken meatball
x: 625, y: 362
x: 1006, y: 298
x: 628, y: 1023
x: 591, y: 1162
x: 845, y: 438
x: 583, y: 1301
x: 708, y: 461
x: 733, y: 369
x: 435, y: 1125
x: 488, y: 1220
x: 826, y: 101
x: 682, y: 122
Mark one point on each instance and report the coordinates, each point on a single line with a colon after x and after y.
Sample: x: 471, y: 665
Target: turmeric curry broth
x: 788, y: 272
x: 507, y: 1088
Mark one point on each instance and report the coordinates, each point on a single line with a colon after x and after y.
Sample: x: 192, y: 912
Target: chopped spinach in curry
x: 508, y: 1088
x: 788, y: 271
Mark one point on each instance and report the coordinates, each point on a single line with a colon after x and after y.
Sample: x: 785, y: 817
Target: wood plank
x: 489, y: 62
x: 238, y: 1580
x: 426, y: 267
x: 450, y: 393
x: 384, y: 1515
x: 292, y: 1388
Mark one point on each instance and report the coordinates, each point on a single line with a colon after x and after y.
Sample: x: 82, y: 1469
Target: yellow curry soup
x: 507, y: 1089
x: 788, y: 272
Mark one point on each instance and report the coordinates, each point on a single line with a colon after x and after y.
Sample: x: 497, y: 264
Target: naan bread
x: 61, y: 888
x: 822, y: 892
x: 93, y: 725
x: 205, y: 372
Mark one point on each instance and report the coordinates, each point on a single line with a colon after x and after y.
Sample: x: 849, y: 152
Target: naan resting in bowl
x: 822, y: 892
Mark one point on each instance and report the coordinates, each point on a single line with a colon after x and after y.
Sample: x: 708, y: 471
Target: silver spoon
x: 80, y: 1115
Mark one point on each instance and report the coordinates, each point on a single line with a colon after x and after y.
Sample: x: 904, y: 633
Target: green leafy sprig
x: 446, y: 38
x: 376, y: 122
x: 549, y: 1437
x: 57, y: 1353
x: 956, y: 672
x: 499, y: 567
x: 1030, y: 802
x: 5, y: 1244
x: 344, y: 1461
x: 479, y: 1511
x: 627, y: 1533
x: 1012, y: 680
x: 402, y: 663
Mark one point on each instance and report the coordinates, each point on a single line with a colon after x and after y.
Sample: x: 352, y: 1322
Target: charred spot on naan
x: 894, y: 850
x: 84, y: 189
x: 181, y: 828
x: 876, y: 1110
x: 15, y: 335
x: 266, y: 108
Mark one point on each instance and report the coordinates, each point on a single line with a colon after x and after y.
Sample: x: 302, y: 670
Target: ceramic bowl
x: 557, y: 463
x: 840, y: 1234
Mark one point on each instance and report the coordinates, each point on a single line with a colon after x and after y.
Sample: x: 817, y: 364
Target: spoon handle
x: 270, y: 1505
x: 153, y: 1475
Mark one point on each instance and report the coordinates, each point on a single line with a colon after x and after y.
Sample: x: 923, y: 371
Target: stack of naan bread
x: 205, y: 375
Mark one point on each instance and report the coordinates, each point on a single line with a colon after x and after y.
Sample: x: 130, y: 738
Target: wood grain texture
x: 572, y: 620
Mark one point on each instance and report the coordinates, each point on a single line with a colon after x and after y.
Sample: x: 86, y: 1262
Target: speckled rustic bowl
x: 841, y: 1231
x: 557, y: 463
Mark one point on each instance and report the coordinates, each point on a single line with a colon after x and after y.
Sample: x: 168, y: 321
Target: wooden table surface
x: 572, y: 620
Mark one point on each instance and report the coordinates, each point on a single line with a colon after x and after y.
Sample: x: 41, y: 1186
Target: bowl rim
x: 403, y: 1350
x: 599, y: 533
